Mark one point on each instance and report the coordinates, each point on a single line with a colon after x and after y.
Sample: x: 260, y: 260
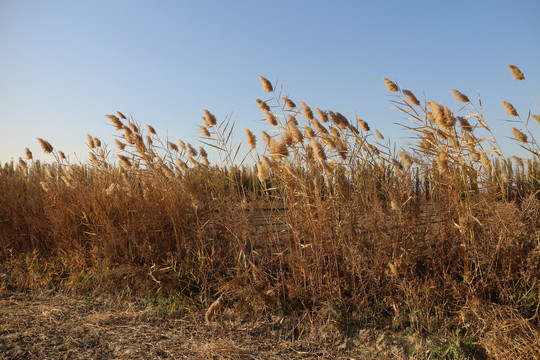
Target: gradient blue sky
x: 65, y: 64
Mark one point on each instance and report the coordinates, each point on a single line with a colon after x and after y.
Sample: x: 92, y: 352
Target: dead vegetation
x: 332, y: 226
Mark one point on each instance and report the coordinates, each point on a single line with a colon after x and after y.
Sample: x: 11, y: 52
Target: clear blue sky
x: 65, y: 64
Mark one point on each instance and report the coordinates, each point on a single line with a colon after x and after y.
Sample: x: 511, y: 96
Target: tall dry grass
x: 333, y: 221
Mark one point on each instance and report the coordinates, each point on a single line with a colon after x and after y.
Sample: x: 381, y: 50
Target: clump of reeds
x: 327, y: 215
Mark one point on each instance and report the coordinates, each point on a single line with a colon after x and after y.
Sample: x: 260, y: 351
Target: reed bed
x: 333, y: 222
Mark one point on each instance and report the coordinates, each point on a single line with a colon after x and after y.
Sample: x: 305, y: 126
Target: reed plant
x: 333, y: 221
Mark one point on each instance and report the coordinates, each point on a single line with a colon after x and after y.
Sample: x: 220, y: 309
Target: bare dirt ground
x: 53, y: 326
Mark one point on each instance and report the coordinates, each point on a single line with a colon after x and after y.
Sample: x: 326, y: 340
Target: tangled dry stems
x: 330, y: 220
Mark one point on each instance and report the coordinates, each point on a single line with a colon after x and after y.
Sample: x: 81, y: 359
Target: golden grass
x: 330, y: 217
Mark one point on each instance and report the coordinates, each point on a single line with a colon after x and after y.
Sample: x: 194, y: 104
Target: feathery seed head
x: 203, y: 152
x: 209, y: 119
x: 459, y: 96
x: 266, y: 84
x: 90, y: 139
x: 465, y: 125
x: 45, y: 146
x: 291, y: 119
x: 509, y: 108
x: 204, y: 131
x: 124, y: 160
x: 354, y: 129
x: 504, y: 175
x: 271, y: 119
x: 442, y: 162
x: 319, y: 127
x: 438, y: 113
x: 279, y: 150
x: 181, y: 164
x: 449, y: 118
x: 410, y: 96
x: 329, y: 141
x: 323, y: 115
x: 309, y: 133
x: 335, y: 132
x: 172, y: 146
x: 149, y: 140
x: 474, y: 154
x: 151, y: 130
x: 363, y: 125
x: 62, y: 155
x: 133, y: 127
x: 379, y: 135
x: 518, y: 160
x: 306, y: 110
x: 269, y: 163
x: 251, y: 139
x: 536, y: 118
x: 263, y: 105
x: 115, y: 121
x: 93, y: 158
x: 318, y: 151
x: 486, y: 163
x: 295, y: 133
x: 373, y: 149
x: 288, y: 102
x: 288, y: 138
x: 390, y: 85
x: 516, y: 73
x: 182, y: 145
x: 267, y: 139
x: 28, y: 153
x: 121, y: 116
x: 262, y: 171
x: 191, y: 150
x: 343, y: 150
x: 340, y: 120
x: 120, y: 144
x: 520, y: 136
x: 407, y: 160
x: 49, y: 173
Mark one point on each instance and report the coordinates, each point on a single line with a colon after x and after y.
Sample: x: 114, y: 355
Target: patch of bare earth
x: 41, y: 326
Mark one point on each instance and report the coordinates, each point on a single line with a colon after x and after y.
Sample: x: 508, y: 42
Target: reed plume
x: 520, y: 136
x: 271, y: 119
x: 263, y: 105
x: 266, y: 84
x: 262, y: 171
x: 410, y: 96
x: 509, y: 108
x: 45, y: 146
x: 459, y: 96
x: 251, y: 139
x: 306, y: 110
x: 288, y: 102
x: 323, y: 115
x: 516, y: 73
x: 390, y: 85
x: 363, y: 125
x: 209, y: 119
x: 204, y: 131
